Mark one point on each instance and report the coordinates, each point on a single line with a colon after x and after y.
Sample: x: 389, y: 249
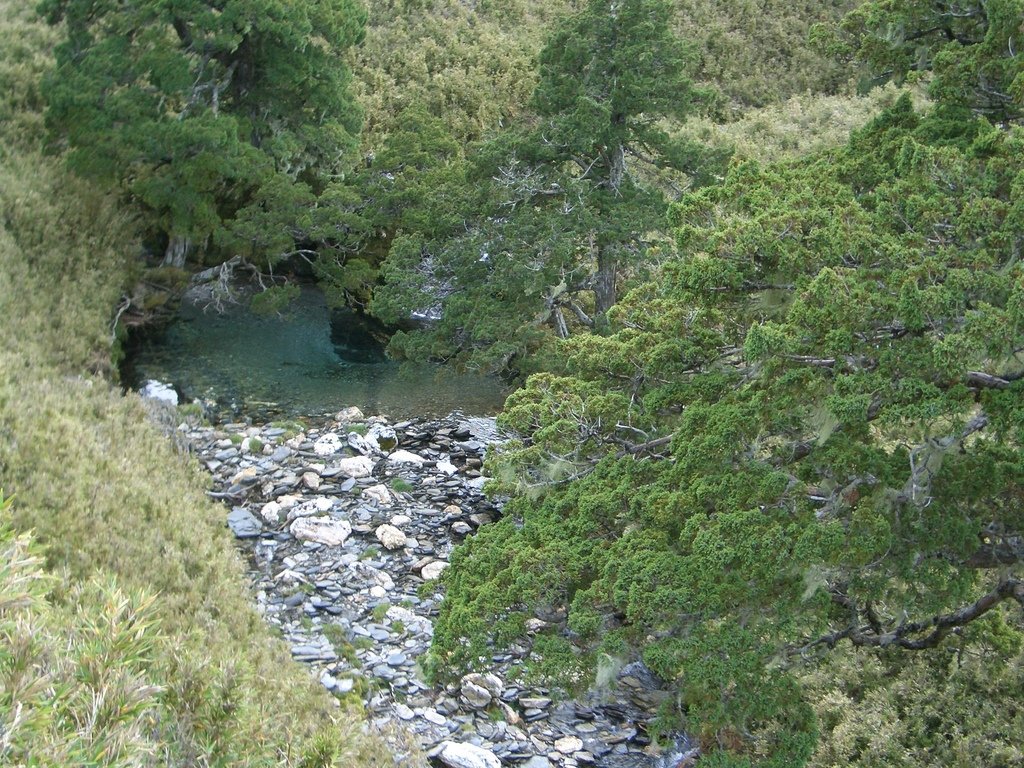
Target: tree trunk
x: 177, y: 251
x: 616, y: 169
x: 604, y: 280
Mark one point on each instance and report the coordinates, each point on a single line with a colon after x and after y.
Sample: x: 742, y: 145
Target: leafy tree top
x: 196, y: 105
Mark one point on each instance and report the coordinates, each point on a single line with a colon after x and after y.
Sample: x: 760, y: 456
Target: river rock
x: 479, y: 690
x: 433, y: 570
x: 405, y: 457
x: 355, y: 467
x: 569, y: 744
x: 327, y: 445
x: 378, y: 493
x: 390, y: 536
x: 488, y: 681
x: 247, y: 476
x: 243, y: 524
x: 475, y: 697
x: 457, y: 755
x: 271, y: 512
x: 382, y: 437
x: 360, y: 444
x: 322, y: 530
x: 349, y: 415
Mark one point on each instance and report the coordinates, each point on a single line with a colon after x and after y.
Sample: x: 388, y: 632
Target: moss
x: 380, y: 611
x: 401, y: 485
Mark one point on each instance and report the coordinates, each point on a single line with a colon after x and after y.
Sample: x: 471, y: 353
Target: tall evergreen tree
x: 563, y: 205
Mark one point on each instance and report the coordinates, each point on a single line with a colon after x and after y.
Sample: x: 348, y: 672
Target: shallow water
x: 290, y: 365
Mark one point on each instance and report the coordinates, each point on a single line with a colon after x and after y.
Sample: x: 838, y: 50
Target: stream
x: 348, y: 519
x: 309, y: 360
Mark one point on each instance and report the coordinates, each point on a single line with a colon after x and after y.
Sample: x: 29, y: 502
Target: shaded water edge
x: 306, y: 361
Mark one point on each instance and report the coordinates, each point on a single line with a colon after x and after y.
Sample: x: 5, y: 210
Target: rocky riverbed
x: 345, y: 523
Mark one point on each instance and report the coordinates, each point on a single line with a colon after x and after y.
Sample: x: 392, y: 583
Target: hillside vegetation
x: 756, y: 268
x: 127, y: 635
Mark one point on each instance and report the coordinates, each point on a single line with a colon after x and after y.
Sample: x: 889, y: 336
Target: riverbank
x: 348, y: 525
x: 128, y: 636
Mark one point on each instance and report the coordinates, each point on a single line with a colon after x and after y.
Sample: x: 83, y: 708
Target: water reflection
x: 300, y: 363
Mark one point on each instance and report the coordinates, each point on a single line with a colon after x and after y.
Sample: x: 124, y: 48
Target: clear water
x: 245, y: 364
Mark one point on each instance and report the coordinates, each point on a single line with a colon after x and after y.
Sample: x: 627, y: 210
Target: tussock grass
x: 127, y: 635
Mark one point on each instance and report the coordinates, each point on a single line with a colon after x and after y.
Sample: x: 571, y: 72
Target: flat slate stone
x: 243, y: 524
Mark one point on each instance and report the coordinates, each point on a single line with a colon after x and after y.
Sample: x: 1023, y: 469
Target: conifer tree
x: 222, y: 119
x: 561, y: 207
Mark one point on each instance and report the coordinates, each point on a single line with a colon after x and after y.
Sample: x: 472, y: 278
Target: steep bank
x: 126, y: 527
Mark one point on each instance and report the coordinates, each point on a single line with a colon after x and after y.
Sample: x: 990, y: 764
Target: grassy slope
x: 120, y: 515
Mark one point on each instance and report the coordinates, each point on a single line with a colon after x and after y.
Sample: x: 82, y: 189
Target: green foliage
x: 946, y: 709
x: 553, y: 214
x: 813, y: 410
x: 274, y: 299
x: 471, y: 67
x: 220, y: 125
x: 759, y: 53
x: 88, y: 659
x: 401, y: 485
x: 969, y: 49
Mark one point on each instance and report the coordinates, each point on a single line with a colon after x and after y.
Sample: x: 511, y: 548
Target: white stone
x: 360, y: 444
x: 356, y: 467
x: 390, y: 537
x: 399, y: 520
x: 456, y: 755
x: 271, y: 512
x: 349, y: 414
x: 378, y: 592
x: 382, y: 437
x: 444, y: 465
x: 404, y: 711
x: 289, y: 500
x: 488, y: 681
x: 322, y: 503
x: 405, y: 457
x: 311, y: 480
x: 433, y: 570
x: 569, y: 744
x: 328, y: 445
x: 323, y: 530
x: 157, y: 390
x: 378, y: 493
